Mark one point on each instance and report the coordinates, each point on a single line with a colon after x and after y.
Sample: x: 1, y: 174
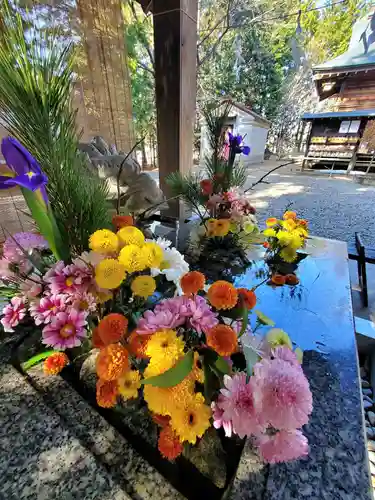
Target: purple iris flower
x: 236, y: 144
x: 26, y: 171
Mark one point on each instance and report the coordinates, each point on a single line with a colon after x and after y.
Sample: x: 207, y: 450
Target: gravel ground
x: 335, y: 207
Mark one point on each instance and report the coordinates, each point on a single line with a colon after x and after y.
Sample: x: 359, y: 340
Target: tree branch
x: 146, y: 68
x: 145, y: 45
x: 268, y: 173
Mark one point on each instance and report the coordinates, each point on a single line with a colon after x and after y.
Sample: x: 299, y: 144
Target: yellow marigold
x: 289, y: 224
x: 143, y: 286
x: 132, y: 258
x: 112, y: 362
x: 165, y: 346
x: 109, y: 274
x: 55, y: 363
x: 131, y: 235
x: 296, y: 241
x: 168, y: 444
x: 222, y: 227
x: 153, y: 254
x: 222, y: 295
x: 129, y: 383
x: 288, y: 254
x: 106, y: 393
x: 289, y: 214
x: 192, y: 421
x: 165, y: 400
x: 269, y: 233
x: 271, y: 221
x: 222, y: 339
x: 104, y: 241
x: 277, y: 337
x: 284, y: 238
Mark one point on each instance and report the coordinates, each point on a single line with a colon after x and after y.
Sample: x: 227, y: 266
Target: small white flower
x: 174, y: 266
x: 162, y: 242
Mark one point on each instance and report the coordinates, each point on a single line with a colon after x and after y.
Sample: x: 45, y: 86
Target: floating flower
x: 271, y: 221
x: 277, y: 337
x: 55, y: 363
x: 165, y: 400
x: 106, y: 393
x: 120, y: 221
x: 104, y: 241
x: 110, y: 273
x: 112, y: 328
x: 192, y: 282
x: 282, y: 446
x: 44, y: 310
x: 285, y: 353
x: 143, y: 286
x: 68, y: 279
x: 288, y: 254
x: 284, y: 238
x: 168, y: 443
x: 137, y: 344
x: 173, y: 266
x: 222, y: 227
x: 248, y: 297
x: 238, y: 406
x: 207, y: 187
x: 282, y: 394
x: 199, y: 315
x: 222, y: 339
x: 153, y: 254
x: 164, y: 348
x: 131, y: 235
x: 132, y: 258
x: 129, y: 383
x: 66, y: 329
x: 15, y: 245
x: 13, y: 313
x: 289, y: 214
x: 160, y: 318
x: 291, y: 279
x: 192, y: 421
x: 222, y: 295
x: 112, y: 362
x: 278, y: 279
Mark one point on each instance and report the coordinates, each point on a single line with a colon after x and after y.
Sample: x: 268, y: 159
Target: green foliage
x: 174, y: 375
x: 38, y: 358
x: 187, y: 186
x: 36, y: 87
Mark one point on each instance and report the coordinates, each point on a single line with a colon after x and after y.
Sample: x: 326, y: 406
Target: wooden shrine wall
x: 357, y: 92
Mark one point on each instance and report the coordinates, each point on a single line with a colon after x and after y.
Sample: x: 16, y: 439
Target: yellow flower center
x: 165, y: 265
x: 83, y: 305
x: 69, y: 281
x: 30, y: 174
x: 67, y: 330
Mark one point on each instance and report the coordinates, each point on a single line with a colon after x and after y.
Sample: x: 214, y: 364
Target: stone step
x: 40, y: 458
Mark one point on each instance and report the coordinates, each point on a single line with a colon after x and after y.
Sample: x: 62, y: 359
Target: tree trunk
x: 144, y: 156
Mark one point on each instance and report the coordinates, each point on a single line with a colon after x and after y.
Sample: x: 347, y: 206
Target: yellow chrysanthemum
x: 284, y: 238
x: 131, y: 235
x: 271, y: 221
x: 143, y: 286
x: 289, y: 224
x: 222, y: 227
x: 129, y: 383
x: 165, y: 400
x: 269, y: 233
x: 104, y: 241
x: 288, y: 254
x: 296, y: 241
x: 153, y: 254
x: 192, y: 421
x: 165, y: 345
x: 277, y: 337
x: 109, y: 274
x: 132, y: 258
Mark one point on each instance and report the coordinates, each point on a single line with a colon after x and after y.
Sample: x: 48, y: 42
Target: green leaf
x: 174, y: 375
x: 251, y: 357
x: 222, y: 365
x: 245, y: 321
x: 263, y: 319
x: 36, y: 359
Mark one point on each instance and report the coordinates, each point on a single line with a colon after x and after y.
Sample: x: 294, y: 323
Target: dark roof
x: 339, y: 114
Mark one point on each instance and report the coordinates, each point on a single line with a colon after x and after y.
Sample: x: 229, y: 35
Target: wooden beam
x: 175, y: 37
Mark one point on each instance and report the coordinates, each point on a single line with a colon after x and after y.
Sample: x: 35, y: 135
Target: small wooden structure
x: 344, y: 137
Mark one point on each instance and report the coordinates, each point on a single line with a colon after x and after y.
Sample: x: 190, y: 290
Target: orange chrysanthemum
x: 96, y: 339
x: 161, y: 420
x: 106, y: 393
x: 278, y: 279
x: 192, y: 282
x: 266, y: 244
x: 169, y: 445
x: 222, y: 339
x: 291, y: 279
x: 137, y: 344
x: 289, y: 214
x: 222, y: 295
x: 112, y: 328
x: 55, y: 363
x: 120, y: 221
x: 248, y: 297
x: 302, y: 222
x: 112, y: 362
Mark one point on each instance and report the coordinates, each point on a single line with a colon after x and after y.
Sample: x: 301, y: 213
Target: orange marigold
x: 222, y: 295
x: 291, y: 279
x: 120, y: 221
x: 289, y: 214
x: 161, y: 420
x: 192, y: 282
x: 266, y: 244
x: 106, y: 393
x: 222, y: 339
x: 55, y: 363
x: 169, y: 445
x: 112, y: 328
x: 137, y: 344
x: 248, y: 296
x: 112, y: 362
x: 96, y: 339
x: 278, y: 279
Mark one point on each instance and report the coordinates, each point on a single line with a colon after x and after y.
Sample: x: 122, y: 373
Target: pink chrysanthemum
x: 218, y: 416
x: 27, y: 241
x: 68, y: 279
x: 282, y: 394
x: 200, y: 315
x: 237, y: 403
x: 83, y: 301
x: 13, y: 313
x: 6, y: 272
x: 48, y: 307
x: 158, y: 320
x: 282, y: 446
x: 66, y: 330
x: 284, y: 353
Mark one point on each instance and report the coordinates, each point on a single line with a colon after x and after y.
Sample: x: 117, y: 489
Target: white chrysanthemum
x: 162, y: 242
x: 173, y: 267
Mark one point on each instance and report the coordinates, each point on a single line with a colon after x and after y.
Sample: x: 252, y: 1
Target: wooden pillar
x: 175, y: 38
